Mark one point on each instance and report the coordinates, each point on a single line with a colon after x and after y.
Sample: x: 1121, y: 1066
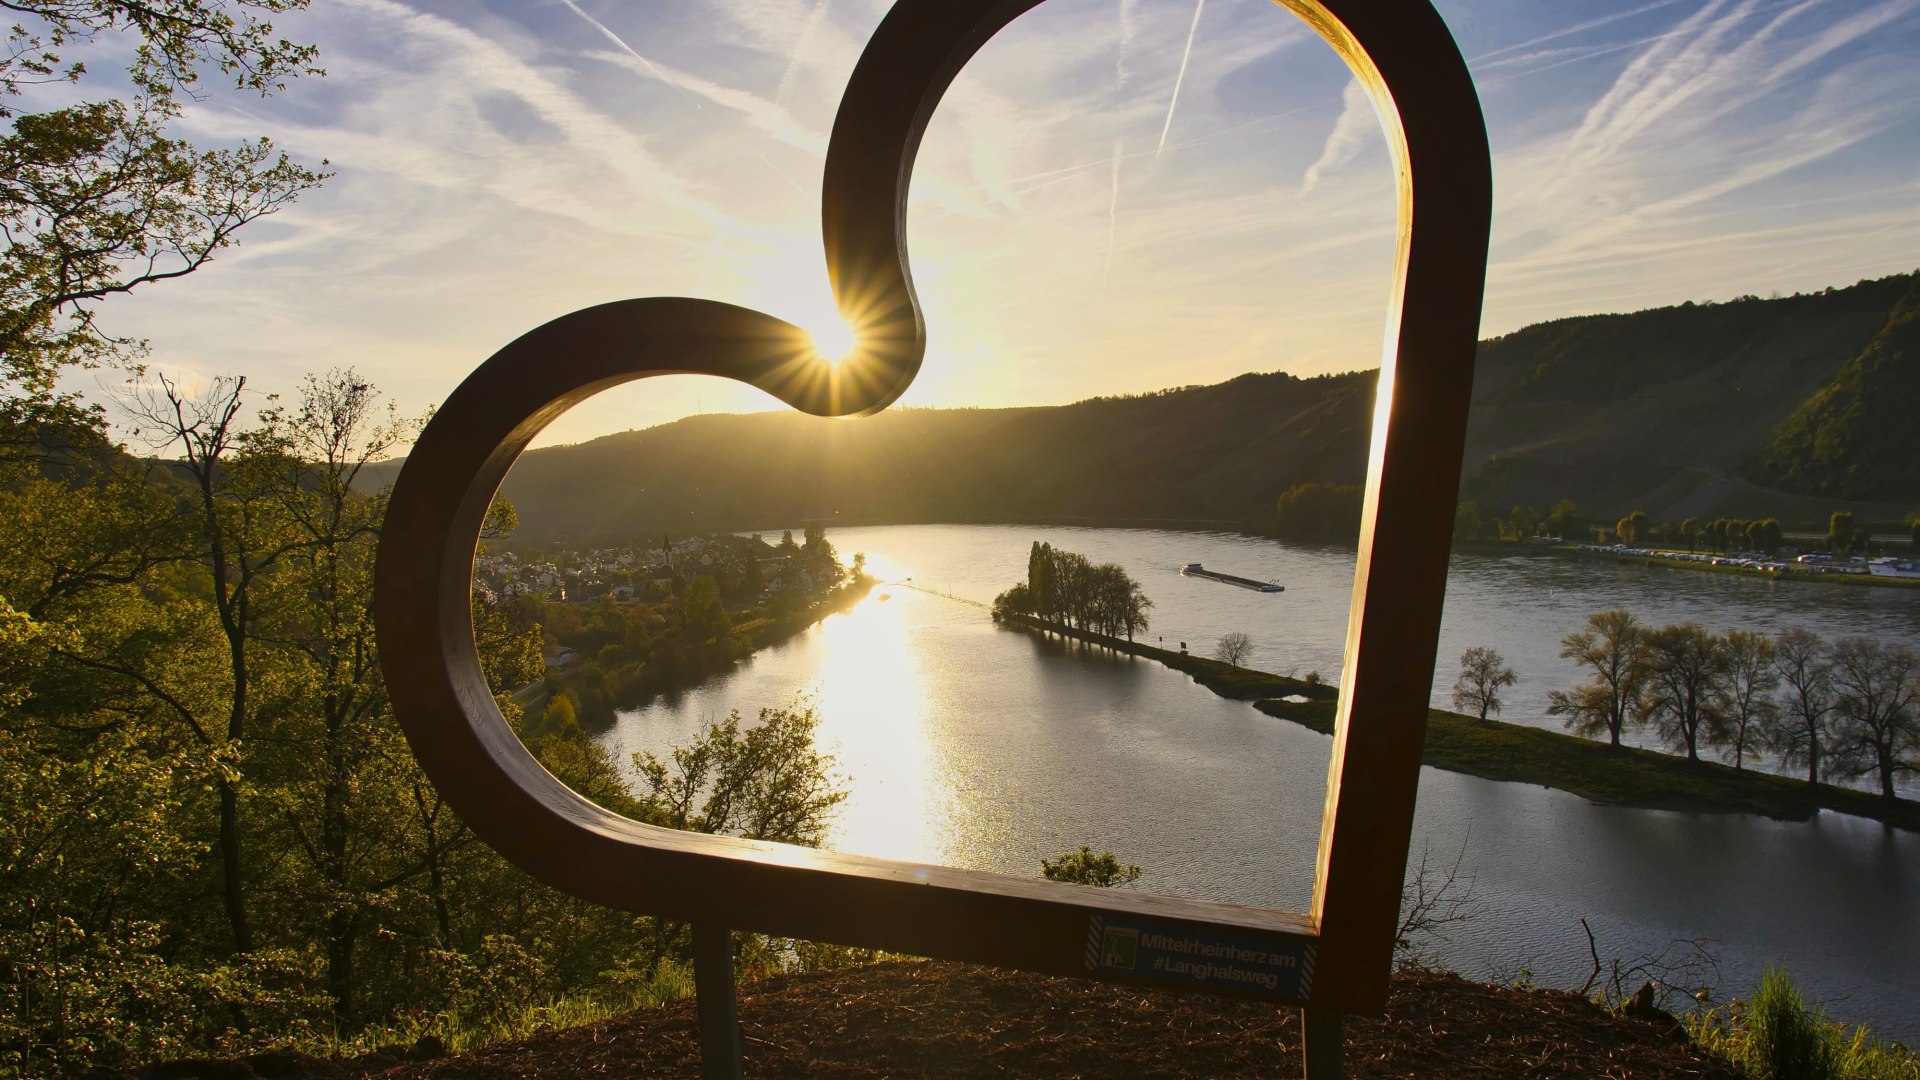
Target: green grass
x: 1778, y: 1036
x: 1626, y: 776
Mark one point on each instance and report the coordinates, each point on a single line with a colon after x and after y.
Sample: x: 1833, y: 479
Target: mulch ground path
x: 910, y: 1019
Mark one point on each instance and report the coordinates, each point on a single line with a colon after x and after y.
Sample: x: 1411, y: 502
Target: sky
x: 1116, y: 196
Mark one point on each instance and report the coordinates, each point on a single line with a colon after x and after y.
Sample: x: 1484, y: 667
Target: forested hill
x: 1787, y: 407
x: 1212, y: 452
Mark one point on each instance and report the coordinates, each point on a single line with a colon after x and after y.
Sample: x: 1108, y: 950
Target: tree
x: 1772, y: 536
x: 1613, y: 646
x: 1483, y: 672
x: 1876, y: 702
x: 1690, y: 532
x: 1564, y: 519
x: 1641, y: 525
x: 242, y: 536
x: 1623, y: 531
x: 1747, y: 708
x: 1319, y: 511
x: 337, y: 783
x: 1234, y: 647
x: 1466, y: 522
x: 1799, y: 730
x: 1083, y: 867
x: 97, y: 199
x: 1522, y: 522
x: 701, y: 611
x: 1686, y: 677
x: 766, y: 782
x: 1840, y: 532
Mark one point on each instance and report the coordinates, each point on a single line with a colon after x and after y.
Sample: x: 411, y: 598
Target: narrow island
x: 1060, y: 597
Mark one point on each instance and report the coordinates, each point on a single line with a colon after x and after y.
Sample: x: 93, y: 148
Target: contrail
x: 1576, y: 28
x: 799, y: 50
x: 1127, y: 33
x: 1177, y: 80
x: 1113, y: 209
x: 677, y: 88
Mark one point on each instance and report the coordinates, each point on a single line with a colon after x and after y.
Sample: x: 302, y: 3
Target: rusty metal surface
x: 1402, y: 51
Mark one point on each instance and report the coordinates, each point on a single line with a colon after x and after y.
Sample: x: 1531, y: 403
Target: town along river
x: 968, y: 744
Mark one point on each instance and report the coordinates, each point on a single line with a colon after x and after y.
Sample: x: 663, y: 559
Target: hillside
x: 1856, y: 437
x: 1787, y: 407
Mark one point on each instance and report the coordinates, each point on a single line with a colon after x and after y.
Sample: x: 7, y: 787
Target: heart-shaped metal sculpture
x: 1336, y: 957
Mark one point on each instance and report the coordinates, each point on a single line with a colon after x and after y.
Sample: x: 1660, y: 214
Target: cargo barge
x: 1194, y: 569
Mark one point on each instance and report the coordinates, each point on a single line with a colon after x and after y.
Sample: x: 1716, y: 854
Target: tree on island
x: 1876, y: 701
x: 1233, y: 648
x: 1747, y: 708
x: 1066, y: 587
x: 1686, y: 669
x: 1614, y: 646
x: 1483, y: 672
x: 1799, y: 728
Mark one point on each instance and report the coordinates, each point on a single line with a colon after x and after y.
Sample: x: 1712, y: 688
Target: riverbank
x: 1677, y: 560
x: 1517, y: 753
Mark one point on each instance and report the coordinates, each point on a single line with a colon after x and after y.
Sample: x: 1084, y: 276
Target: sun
x: 834, y: 341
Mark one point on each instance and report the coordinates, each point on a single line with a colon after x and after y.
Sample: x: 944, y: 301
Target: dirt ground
x: 907, y: 1019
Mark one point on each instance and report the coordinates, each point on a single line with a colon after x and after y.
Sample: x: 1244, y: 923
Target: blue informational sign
x: 1218, y: 959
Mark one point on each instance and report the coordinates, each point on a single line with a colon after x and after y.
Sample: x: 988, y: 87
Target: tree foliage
x: 97, y: 199
x: 1483, y: 674
x: 1084, y: 867
x: 1067, y: 587
x: 1613, y: 648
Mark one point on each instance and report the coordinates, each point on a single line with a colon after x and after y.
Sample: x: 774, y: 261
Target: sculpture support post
x: 713, y: 992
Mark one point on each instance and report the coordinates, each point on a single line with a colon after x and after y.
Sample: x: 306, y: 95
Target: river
x: 966, y: 744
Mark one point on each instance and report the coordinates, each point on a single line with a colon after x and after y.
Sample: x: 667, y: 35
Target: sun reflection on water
x: 874, y: 717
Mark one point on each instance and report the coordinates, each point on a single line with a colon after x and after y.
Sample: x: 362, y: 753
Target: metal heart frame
x: 1337, y: 956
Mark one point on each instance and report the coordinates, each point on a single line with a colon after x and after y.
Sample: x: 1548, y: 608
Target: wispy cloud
x: 1352, y: 133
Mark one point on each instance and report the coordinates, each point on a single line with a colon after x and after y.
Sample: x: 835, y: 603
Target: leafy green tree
x: 1466, y: 522
x: 702, y: 613
x: 1319, y: 511
x: 1623, y: 531
x: 1614, y: 648
x: 1563, y: 520
x: 1690, y: 532
x: 242, y: 534
x: 1483, y: 674
x: 1686, y: 677
x: 765, y: 782
x: 1522, y: 522
x: 1083, y: 867
x: 98, y: 199
x: 1642, y: 525
x: 1840, y: 532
